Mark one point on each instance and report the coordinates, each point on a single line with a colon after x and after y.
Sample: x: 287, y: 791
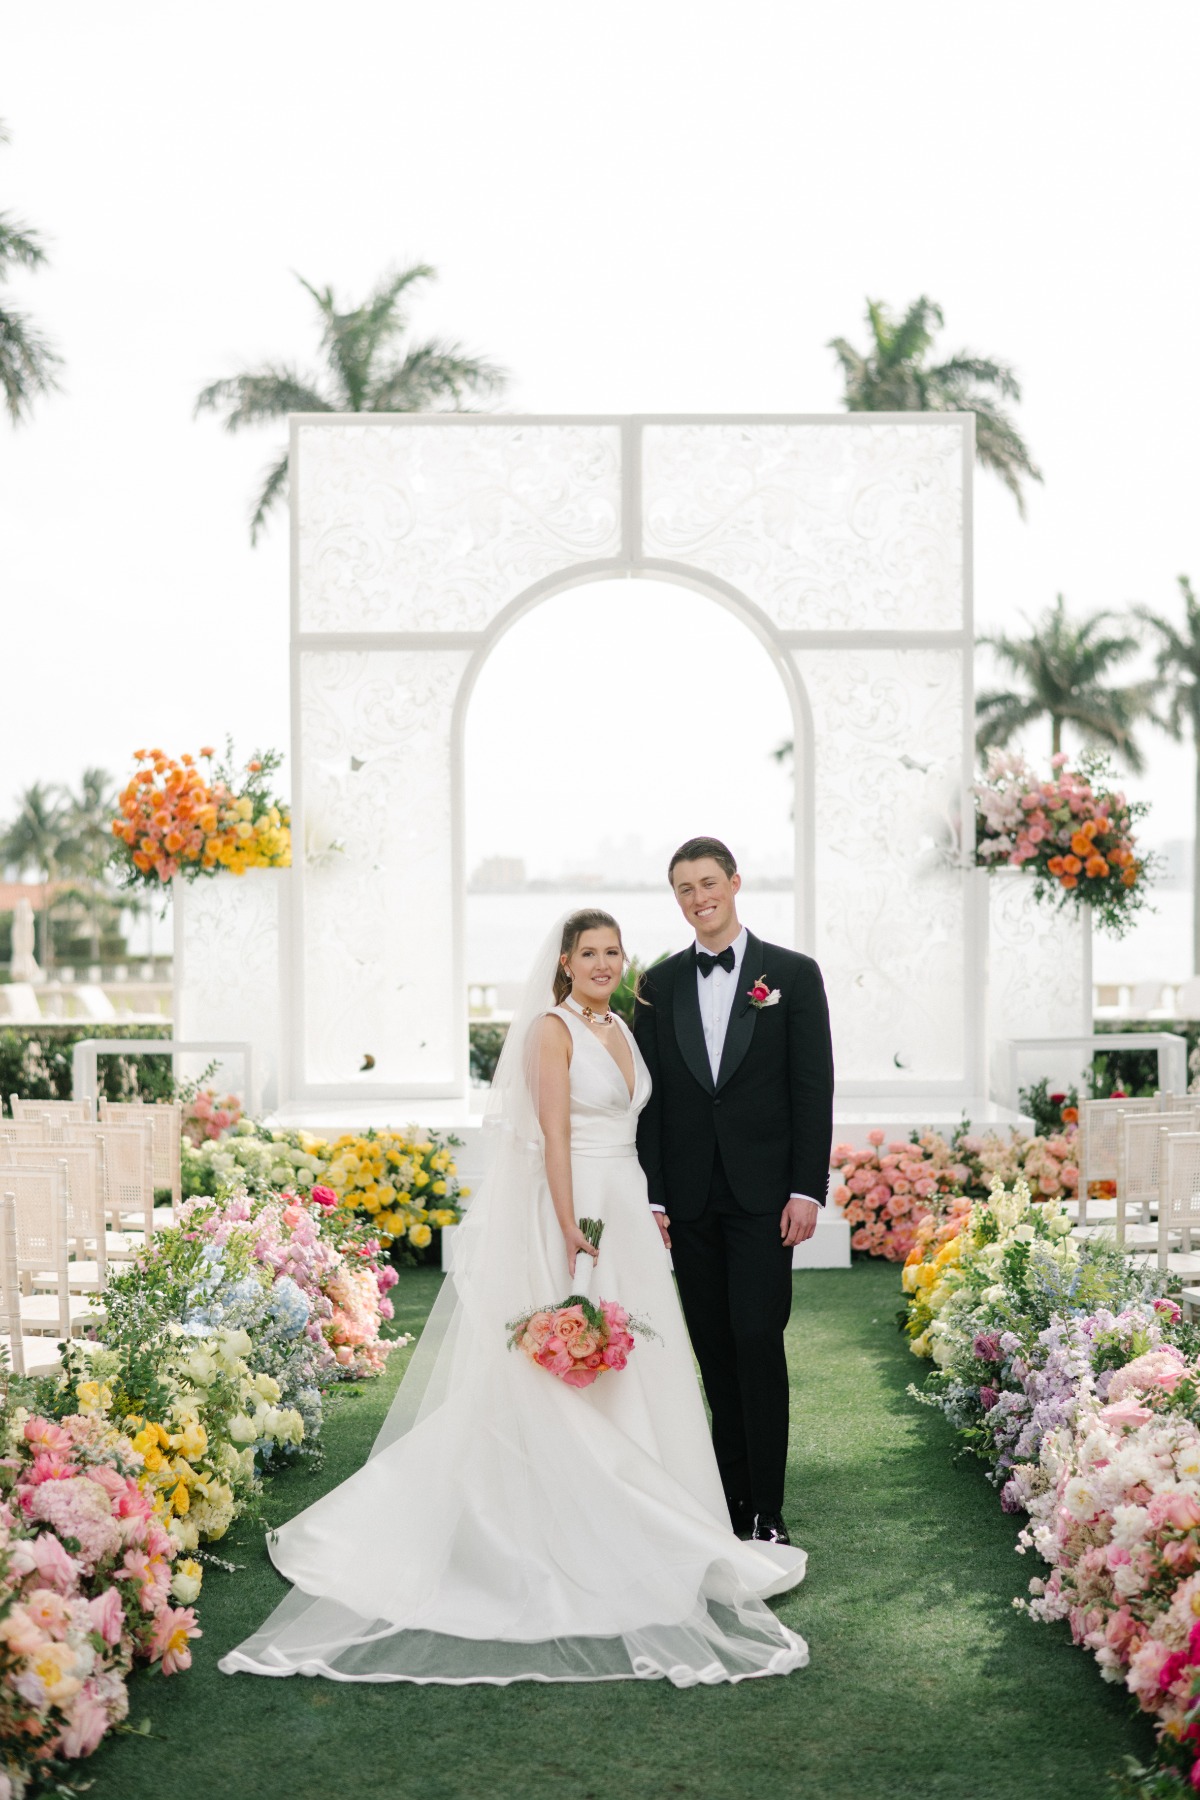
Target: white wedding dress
x: 507, y: 1527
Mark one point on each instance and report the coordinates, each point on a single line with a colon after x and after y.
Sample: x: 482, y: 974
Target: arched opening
x: 606, y: 723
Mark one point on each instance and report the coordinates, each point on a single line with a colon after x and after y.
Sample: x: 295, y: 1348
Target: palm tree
x: 365, y: 372
x: 1065, y: 667
x: 1177, y: 667
x: 27, y: 362
x: 895, y: 375
x: 87, y: 845
x: 37, y: 839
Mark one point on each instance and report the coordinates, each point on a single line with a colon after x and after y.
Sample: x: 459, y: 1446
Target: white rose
x: 267, y: 1387
x: 201, y: 1368
x: 242, y: 1430
x: 185, y: 1588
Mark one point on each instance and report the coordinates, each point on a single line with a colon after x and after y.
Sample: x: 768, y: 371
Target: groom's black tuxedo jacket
x: 770, y: 1109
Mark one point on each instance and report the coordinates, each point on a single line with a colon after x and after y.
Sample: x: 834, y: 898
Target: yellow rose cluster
x: 406, y: 1184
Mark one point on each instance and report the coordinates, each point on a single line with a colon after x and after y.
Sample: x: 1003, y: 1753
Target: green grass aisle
x: 923, y: 1681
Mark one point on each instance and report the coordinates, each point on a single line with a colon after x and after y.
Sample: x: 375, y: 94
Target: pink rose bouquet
x: 577, y: 1340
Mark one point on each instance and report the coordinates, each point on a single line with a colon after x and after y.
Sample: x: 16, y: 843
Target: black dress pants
x: 735, y: 1283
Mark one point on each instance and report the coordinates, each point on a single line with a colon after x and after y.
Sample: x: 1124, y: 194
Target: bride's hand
x: 575, y: 1242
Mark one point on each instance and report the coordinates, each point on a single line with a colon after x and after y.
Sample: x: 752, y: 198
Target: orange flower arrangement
x: 176, y: 819
x: 1072, y: 833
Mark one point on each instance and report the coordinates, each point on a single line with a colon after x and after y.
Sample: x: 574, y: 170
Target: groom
x: 735, y: 1143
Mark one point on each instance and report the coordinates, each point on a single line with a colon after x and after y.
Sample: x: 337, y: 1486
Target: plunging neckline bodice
x: 619, y: 1023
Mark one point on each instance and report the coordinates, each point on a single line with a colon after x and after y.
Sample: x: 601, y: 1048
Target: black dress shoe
x: 741, y: 1517
x: 769, y: 1528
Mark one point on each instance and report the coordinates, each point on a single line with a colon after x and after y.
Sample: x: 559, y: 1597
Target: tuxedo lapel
x: 689, y: 1029
x: 743, y: 1017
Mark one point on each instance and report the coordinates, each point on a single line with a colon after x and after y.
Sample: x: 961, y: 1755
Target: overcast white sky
x: 668, y: 205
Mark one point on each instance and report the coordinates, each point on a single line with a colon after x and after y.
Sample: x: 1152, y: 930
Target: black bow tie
x: 706, y: 963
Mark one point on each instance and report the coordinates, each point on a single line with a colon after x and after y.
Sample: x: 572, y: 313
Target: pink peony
x: 1128, y: 1413
x: 108, y: 1615
x: 54, y: 1566
x: 876, y: 1137
x: 44, y: 1434
x: 87, y: 1722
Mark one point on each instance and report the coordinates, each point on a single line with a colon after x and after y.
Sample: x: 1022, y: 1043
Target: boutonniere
x: 761, y: 995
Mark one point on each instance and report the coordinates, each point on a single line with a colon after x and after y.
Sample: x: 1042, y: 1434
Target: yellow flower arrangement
x: 391, y: 1177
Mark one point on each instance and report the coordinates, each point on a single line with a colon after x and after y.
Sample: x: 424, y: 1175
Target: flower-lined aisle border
x: 218, y: 1345
x: 402, y: 1185
x: 1077, y: 1383
x: 176, y: 819
x: 1073, y: 833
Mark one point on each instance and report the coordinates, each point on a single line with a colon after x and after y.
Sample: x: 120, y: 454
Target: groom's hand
x: 798, y: 1221
x: 664, y: 1225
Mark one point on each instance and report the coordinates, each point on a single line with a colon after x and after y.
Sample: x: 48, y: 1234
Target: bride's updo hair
x: 588, y: 918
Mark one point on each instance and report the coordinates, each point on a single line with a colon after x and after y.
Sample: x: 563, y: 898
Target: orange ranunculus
x: 207, y: 750
x: 187, y: 759
x: 1089, y: 828
x: 1055, y: 865
x: 138, y: 755
x: 1071, y: 865
x: 254, y: 766
x: 1069, y: 881
x: 1081, y: 844
x: 149, y: 846
x: 142, y: 861
x: 174, y: 841
x: 1096, y: 866
x: 117, y: 828
x: 1129, y: 876
x: 1070, y: 1115
x: 145, y: 777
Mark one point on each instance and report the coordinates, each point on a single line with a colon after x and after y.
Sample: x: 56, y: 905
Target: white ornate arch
x: 417, y: 541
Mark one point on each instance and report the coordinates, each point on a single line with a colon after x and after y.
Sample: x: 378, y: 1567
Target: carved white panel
x: 891, y: 902
x: 227, y: 974
x: 1039, y: 974
x: 826, y: 527
x: 436, y: 528
x: 377, y: 955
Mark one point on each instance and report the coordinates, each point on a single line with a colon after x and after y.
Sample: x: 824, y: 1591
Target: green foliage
x: 624, y: 1000
x: 1066, y: 667
x: 486, y: 1042
x: 1045, y: 1109
x: 366, y: 370
x: 35, y: 1063
x: 895, y: 375
x: 28, y: 363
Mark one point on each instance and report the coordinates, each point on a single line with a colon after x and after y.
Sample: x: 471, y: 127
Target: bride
x: 565, y: 1534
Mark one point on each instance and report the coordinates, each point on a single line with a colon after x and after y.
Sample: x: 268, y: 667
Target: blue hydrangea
x: 288, y: 1306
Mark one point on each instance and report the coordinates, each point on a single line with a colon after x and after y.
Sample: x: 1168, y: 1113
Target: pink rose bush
x: 888, y: 1190
x: 576, y: 1342
x: 87, y: 1567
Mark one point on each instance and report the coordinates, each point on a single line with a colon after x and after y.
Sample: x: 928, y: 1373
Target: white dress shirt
x: 718, y: 991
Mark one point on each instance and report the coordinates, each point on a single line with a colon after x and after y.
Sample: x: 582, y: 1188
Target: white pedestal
x: 227, y: 973
x: 1039, y: 977
x: 829, y: 1245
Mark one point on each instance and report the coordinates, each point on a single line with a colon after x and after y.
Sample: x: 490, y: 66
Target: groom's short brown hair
x: 695, y: 848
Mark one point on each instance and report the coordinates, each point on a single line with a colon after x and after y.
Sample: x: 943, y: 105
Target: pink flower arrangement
x: 73, y: 1621
x: 886, y: 1193
x: 576, y: 1342
x: 206, y: 1116
x: 358, y: 1301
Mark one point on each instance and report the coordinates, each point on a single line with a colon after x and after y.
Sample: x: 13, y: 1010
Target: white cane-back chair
x: 88, y: 1268
x: 26, y: 1355
x: 1179, y: 1202
x: 1098, y: 1136
x: 1139, y: 1167
x: 40, y: 1197
x: 25, y: 1131
x: 63, y: 1112
x: 164, y: 1121
x: 126, y: 1160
